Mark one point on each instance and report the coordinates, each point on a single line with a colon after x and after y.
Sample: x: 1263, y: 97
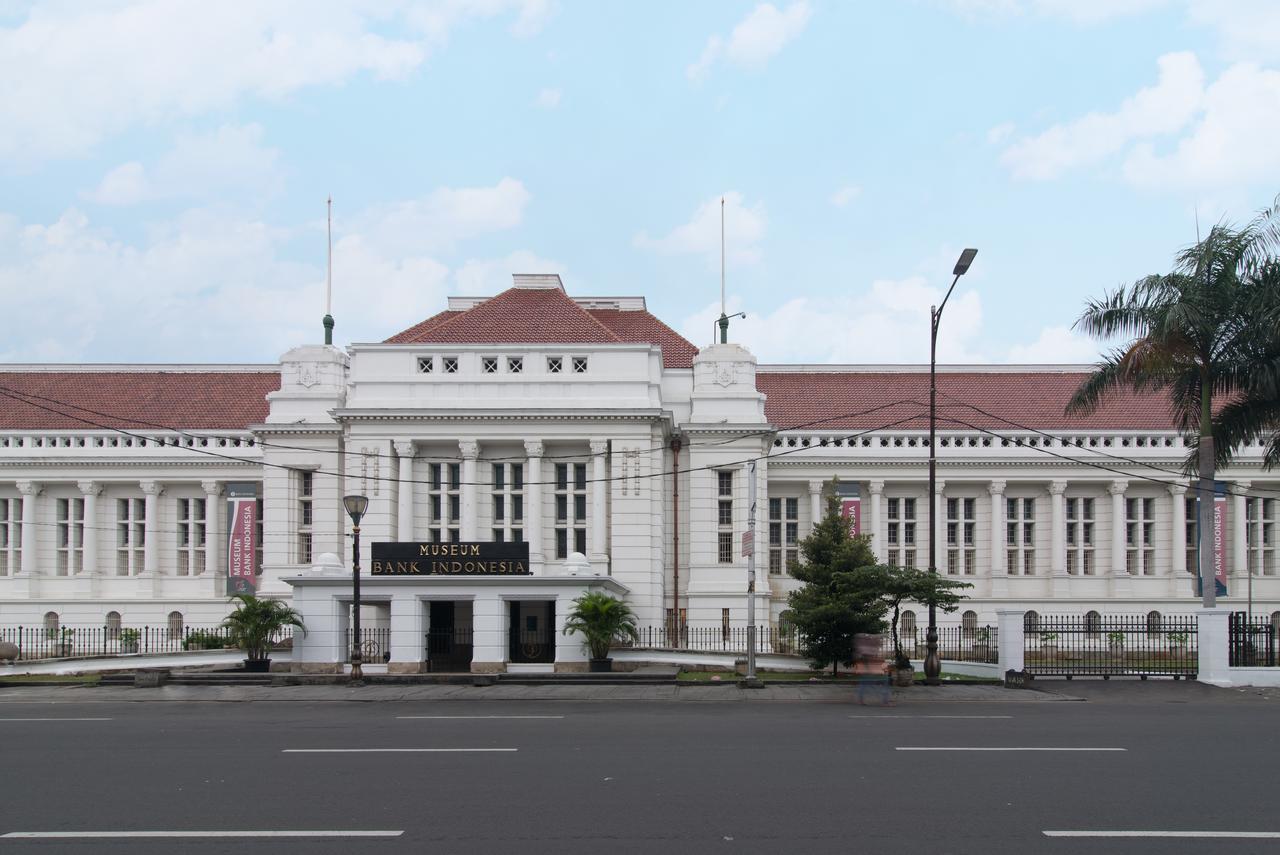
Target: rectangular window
x: 306, y: 513
x: 130, y: 536
x: 961, y: 549
x: 1079, y: 537
x: 489, y: 364
x: 1139, y: 536
x: 725, y: 550
x: 724, y: 517
x: 450, y: 364
x: 555, y: 364
x: 10, y: 536
x: 901, y: 531
x: 1020, y: 536
x: 444, y: 497
x: 1192, y: 525
x: 579, y: 365
x: 570, y: 494
x: 508, y: 501
x: 191, y: 536
x: 784, y: 534
x: 1260, y: 532
x: 515, y: 364
x: 70, y: 534
x: 426, y: 364
x: 724, y: 624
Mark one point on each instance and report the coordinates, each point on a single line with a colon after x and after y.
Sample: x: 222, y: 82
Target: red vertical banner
x: 242, y: 538
x: 851, y: 510
x: 1220, y: 539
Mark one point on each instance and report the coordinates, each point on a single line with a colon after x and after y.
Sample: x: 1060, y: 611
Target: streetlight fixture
x: 932, y: 663
x: 356, y: 506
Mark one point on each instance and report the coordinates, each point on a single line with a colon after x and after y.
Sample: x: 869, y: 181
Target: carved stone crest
x: 724, y: 373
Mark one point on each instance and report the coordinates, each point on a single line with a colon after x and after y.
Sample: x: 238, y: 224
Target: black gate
x: 531, y: 635
x: 1252, y: 644
x: 449, y: 647
x: 1095, y: 645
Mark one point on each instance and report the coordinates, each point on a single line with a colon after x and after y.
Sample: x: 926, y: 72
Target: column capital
x: 29, y: 488
x: 1117, y: 488
x: 403, y: 447
x: 469, y: 448
x: 599, y: 446
x: 151, y: 488
x: 211, y: 488
x: 1057, y: 488
x: 1178, y: 489
x: 90, y: 488
x: 876, y: 487
x: 996, y: 488
x: 939, y: 485
x: 533, y: 447
x: 815, y: 487
x: 1242, y: 485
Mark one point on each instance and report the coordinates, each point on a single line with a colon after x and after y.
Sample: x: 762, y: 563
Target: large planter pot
x: 599, y: 666
x: 257, y: 666
x: 904, y: 677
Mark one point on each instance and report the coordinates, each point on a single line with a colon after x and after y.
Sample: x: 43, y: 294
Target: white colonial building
x: 585, y: 425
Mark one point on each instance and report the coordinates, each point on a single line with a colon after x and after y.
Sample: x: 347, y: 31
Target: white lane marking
x: 223, y: 833
x: 393, y: 750
x: 55, y: 719
x: 1010, y: 749
x: 415, y: 717
x: 1198, y: 834
x: 930, y: 716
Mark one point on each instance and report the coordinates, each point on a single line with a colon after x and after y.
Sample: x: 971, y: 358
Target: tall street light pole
x: 356, y: 506
x: 932, y: 663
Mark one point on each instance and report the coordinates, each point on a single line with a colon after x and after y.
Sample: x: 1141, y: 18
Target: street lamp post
x: 932, y: 663
x: 356, y: 506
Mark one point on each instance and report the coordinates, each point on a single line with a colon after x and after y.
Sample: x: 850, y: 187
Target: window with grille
x: 579, y: 365
x: 515, y: 364
x: 1260, y: 530
x: 130, y: 536
x: 900, y: 532
x: 175, y: 625
x: 571, y: 508
x: 10, y: 536
x: 724, y: 624
x: 1192, y: 527
x: 450, y: 364
x: 555, y: 364
x: 306, y: 514
x: 784, y: 534
x: 1020, y: 536
x: 962, y: 556
x: 70, y: 534
x: 1139, y: 536
x: 444, y: 499
x: 489, y: 365
x: 969, y: 624
x: 113, y: 622
x: 508, y: 502
x: 1080, y: 537
x: 724, y: 517
x: 426, y: 364
x: 191, y: 536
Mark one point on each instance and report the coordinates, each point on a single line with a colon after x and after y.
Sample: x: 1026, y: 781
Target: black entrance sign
x: 449, y: 559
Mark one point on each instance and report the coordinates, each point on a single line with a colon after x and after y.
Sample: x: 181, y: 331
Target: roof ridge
x: 557, y: 293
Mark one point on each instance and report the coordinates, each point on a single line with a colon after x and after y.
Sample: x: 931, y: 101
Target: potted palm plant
x: 602, y: 619
x: 252, y: 625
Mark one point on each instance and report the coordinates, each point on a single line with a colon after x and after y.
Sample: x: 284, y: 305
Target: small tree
x: 255, y: 620
x: 912, y: 584
x: 602, y: 619
x: 843, y: 591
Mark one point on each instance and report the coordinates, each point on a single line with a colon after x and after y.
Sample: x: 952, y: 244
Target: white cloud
x: 232, y: 157
x: 755, y: 40
x: 845, y: 195
x: 1055, y: 345
x: 744, y: 229
x: 1001, y: 132
x: 1083, y: 12
x: 443, y: 217
x: 77, y: 73
x: 548, y: 99
x: 478, y: 278
x: 1162, y: 109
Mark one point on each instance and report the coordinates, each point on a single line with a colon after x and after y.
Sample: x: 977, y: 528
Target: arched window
x: 969, y: 623
x: 175, y: 624
x: 113, y: 626
x: 1093, y: 623
x: 1030, y: 621
x: 907, y: 624
x: 50, y: 621
x: 1154, y: 623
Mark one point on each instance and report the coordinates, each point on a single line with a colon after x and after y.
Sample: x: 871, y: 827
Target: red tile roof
x: 840, y: 400
x: 547, y: 315
x: 134, y: 400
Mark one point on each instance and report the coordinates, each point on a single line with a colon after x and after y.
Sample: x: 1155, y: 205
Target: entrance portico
x: 436, y: 621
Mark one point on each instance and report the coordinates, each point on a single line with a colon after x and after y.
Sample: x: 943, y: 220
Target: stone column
x: 408, y: 634
x: 938, y: 519
x: 30, y: 552
x: 489, y: 634
x: 91, y: 490
x: 150, y: 519
x: 597, y: 537
x: 876, y: 488
x: 1010, y: 641
x: 533, y: 502
x: 1212, y: 643
x: 404, y: 508
x: 470, y: 450
x: 1058, y: 538
x: 1178, y: 564
x: 815, y: 505
x: 1239, y: 530
x: 213, y: 514
x: 999, y: 574
x: 1120, y: 582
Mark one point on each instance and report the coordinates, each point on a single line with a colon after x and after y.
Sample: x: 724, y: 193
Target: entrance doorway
x: 532, y: 637
x: 449, y: 637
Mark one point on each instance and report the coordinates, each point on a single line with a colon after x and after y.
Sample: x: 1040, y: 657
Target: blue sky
x: 164, y: 165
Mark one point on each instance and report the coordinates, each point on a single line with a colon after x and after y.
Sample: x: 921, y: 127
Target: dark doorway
x: 532, y: 631
x: 448, y: 639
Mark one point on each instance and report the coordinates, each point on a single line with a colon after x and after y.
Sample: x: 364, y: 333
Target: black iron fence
x: 375, y: 643
x: 39, y: 642
x: 1112, y: 645
x: 1252, y: 643
x: 955, y: 643
x: 449, y: 649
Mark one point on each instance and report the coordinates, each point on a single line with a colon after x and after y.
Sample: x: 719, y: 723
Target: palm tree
x: 602, y: 619
x: 1254, y: 413
x: 1187, y: 331
x: 252, y: 625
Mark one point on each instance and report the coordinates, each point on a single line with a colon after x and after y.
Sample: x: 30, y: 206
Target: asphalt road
x: 642, y: 777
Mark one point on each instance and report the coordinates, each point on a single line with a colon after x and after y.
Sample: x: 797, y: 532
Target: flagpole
x: 328, y: 274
